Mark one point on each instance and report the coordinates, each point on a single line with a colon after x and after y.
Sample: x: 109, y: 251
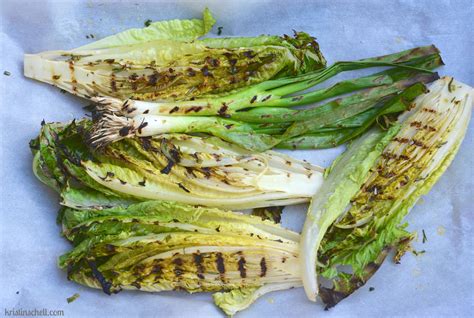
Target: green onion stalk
x: 261, y: 117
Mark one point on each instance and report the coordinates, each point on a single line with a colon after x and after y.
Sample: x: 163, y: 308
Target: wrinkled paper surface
x: 435, y: 284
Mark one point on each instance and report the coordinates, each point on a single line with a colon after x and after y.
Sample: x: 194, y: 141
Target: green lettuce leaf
x: 187, y: 169
x: 176, y: 30
x: 411, y: 163
x: 347, y: 175
x: 156, y: 246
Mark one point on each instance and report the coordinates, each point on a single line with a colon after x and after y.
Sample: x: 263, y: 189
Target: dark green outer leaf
x: 347, y: 284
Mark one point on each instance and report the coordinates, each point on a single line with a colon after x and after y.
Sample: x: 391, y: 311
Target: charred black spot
x: 433, y: 111
x: 190, y: 171
x: 233, y: 67
x: 174, y: 109
x: 142, y: 183
x: 199, y: 267
x: 212, y: 61
x: 153, y: 79
x: 229, y: 126
x: 196, y: 157
x: 178, y: 271
x: 242, y: 270
x: 217, y: 157
x: 109, y: 174
x: 206, y: 171
x: 136, y: 284
x: 450, y: 86
x: 183, y: 187
x: 125, y: 131
x: 131, y: 110
x: 253, y: 99
x: 191, y: 72
x: 401, y: 140
x: 263, y: 267
x: 142, y: 125
x: 157, y: 269
x: 133, y: 77
x: 146, y: 143
x: 195, y: 109
x: 173, y: 157
x: 249, y: 54
x: 104, y: 283
x: 222, y: 111
x: 205, y: 71
x: 113, y: 83
x: 168, y: 167
x: 419, y: 143
x: 266, y: 98
x: 220, y: 264
x: 218, y: 229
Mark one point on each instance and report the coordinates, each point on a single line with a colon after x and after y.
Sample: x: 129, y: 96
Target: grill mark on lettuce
x: 104, y: 283
x: 263, y: 267
x: 195, y: 109
x: 142, y: 183
x: 241, y: 265
x: 174, y: 109
x: 178, y: 270
x: 409, y: 141
x: 220, y: 266
x: 419, y: 125
x: 183, y: 187
x: 157, y: 270
x: 137, y: 284
x: 198, y: 260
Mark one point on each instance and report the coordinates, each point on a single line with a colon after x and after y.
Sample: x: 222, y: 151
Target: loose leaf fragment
x: 272, y: 213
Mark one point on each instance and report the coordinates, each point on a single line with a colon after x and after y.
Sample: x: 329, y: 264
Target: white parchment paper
x: 439, y: 283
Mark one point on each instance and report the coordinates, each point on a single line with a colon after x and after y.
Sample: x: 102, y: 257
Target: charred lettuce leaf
x: 408, y: 167
x: 188, y: 169
x: 166, y: 60
x: 157, y: 245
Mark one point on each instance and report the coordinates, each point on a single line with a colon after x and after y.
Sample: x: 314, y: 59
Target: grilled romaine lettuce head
x: 166, y: 61
x: 156, y: 246
x: 189, y: 169
x: 358, y: 214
